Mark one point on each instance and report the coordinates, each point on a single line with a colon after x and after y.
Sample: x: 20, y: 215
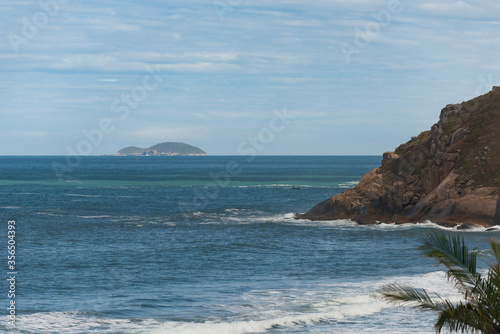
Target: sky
x: 288, y: 77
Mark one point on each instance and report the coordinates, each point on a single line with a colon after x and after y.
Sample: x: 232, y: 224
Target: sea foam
x: 326, y: 306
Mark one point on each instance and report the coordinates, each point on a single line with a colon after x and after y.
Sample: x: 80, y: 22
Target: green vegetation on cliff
x: 131, y: 150
x: 468, y: 134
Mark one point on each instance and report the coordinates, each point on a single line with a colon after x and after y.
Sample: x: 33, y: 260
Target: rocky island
x: 449, y: 175
x: 165, y: 149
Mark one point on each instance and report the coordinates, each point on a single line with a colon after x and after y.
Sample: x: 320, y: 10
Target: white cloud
x: 309, y: 114
x: 183, y: 56
x: 114, y: 63
x: 200, y: 67
x: 447, y: 6
x: 230, y: 73
x: 223, y: 114
x: 452, y: 8
x: 291, y: 80
x: 302, y: 23
x: 24, y: 134
x: 170, y: 134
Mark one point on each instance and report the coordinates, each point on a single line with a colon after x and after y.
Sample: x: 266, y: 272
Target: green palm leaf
x: 480, y: 310
x: 410, y: 296
x: 461, y: 263
x: 461, y: 317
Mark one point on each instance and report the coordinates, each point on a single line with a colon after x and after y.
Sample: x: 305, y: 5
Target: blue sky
x: 223, y: 69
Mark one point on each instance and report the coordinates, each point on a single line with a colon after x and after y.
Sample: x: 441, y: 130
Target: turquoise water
x: 204, y: 245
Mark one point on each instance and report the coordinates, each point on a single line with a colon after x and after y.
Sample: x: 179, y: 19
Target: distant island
x: 163, y: 149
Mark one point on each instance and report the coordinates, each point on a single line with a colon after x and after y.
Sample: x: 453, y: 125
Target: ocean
x: 203, y: 245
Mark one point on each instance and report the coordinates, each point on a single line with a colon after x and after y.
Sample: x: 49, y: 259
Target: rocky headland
x: 449, y: 175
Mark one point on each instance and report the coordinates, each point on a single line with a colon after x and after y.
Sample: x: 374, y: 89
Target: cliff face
x: 449, y: 175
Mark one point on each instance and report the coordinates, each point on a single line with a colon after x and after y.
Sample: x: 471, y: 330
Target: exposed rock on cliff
x: 449, y: 175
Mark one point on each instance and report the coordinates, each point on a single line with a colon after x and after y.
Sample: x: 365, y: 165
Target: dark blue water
x: 203, y: 245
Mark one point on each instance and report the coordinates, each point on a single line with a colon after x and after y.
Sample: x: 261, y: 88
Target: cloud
x: 200, y: 67
x: 223, y: 115
x: 24, y: 134
x: 183, y: 56
x: 291, y: 80
x: 448, y: 6
x: 304, y: 114
x: 161, y: 134
x: 224, y: 76
x: 113, y: 63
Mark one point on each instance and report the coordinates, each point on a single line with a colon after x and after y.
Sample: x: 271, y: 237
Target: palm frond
x: 464, y: 318
x: 492, y: 284
x: 480, y: 311
x: 495, y: 247
x: 452, y: 252
x: 491, y: 287
x: 410, y: 296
